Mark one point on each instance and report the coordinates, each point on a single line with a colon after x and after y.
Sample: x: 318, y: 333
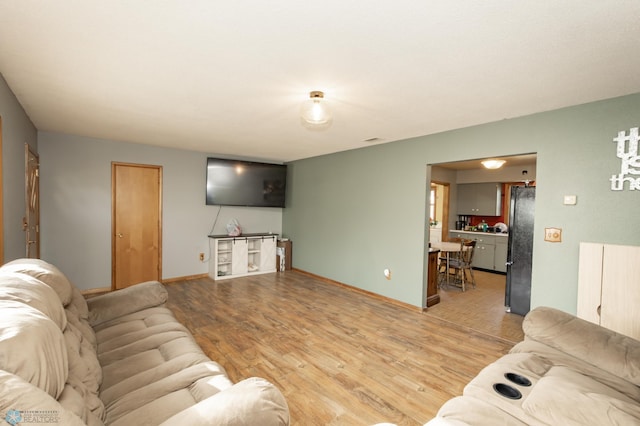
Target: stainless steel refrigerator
x: 520, y: 249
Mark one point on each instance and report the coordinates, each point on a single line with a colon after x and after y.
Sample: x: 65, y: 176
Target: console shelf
x: 249, y: 254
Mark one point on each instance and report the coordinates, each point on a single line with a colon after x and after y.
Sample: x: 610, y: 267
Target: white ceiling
x: 228, y: 77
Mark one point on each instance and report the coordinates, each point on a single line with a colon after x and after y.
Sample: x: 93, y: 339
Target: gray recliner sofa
x: 567, y: 371
x: 116, y: 359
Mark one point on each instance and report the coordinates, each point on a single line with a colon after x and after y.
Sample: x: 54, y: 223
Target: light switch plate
x: 553, y: 235
x: 570, y: 200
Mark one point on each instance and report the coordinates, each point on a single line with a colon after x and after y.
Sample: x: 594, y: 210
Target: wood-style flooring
x: 339, y: 356
x: 481, y: 308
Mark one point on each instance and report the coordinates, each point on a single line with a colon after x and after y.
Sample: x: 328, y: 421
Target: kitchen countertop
x: 497, y: 234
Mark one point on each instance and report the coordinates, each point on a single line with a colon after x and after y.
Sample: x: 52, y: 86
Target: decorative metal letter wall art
x: 627, y: 152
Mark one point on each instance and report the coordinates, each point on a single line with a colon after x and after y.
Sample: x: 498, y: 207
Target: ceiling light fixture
x: 314, y: 112
x: 493, y: 164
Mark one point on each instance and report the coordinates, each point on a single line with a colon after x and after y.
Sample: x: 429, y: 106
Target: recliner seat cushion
x: 160, y: 399
x: 566, y: 397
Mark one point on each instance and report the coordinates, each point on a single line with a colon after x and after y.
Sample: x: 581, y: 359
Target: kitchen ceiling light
x: 314, y: 112
x: 493, y: 164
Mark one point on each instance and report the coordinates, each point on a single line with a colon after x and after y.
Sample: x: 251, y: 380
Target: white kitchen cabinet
x: 479, y: 199
x: 484, y: 255
x: 463, y: 234
x: 490, y: 252
x: 500, y: 257
x: 435, y: 235
x: 241, y: 256
x: 609, y: 287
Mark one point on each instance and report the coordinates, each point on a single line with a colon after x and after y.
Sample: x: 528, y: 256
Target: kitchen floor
x: 481, y: 308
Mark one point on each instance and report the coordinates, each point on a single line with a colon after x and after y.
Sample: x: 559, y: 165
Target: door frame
x: 114, y: 165
x: 28, y: 151
x: 429, y: 179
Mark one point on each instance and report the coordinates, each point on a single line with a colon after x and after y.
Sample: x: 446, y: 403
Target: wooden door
x: 137, y: 224
x: 31, y: 224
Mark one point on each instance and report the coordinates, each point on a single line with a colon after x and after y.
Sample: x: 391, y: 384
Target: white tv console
x: 248, y: 254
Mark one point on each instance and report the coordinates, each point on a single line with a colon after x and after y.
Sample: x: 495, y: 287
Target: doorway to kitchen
x: 481, y: 308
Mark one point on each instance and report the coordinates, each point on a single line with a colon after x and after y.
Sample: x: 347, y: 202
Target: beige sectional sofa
x: 117, y: 359
x: 567, y: 371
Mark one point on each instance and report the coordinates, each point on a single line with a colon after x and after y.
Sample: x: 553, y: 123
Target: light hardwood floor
x: 481, y: 308
x: 339, y: 356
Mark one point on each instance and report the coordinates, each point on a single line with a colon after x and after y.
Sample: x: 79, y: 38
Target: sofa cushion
x: 78, y: 304
x: 32, y: 347
x: 565, y: 397
x: 145, y: 355
x: 132, y: 330
x: 110, y: 306
x: 45, y: 272
x: 250, y: 402
x: 33, y: 292
x: 85, y: 372
x: 556, y: 357
x: 71, y: 400
x: 168, y: 394
x: 81, y: 324
x: 601, y: 347
x: 25, y: 401
x: 470, y: 411
x: 137, y: 380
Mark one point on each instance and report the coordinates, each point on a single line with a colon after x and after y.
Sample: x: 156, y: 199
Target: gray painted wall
x: 353, y: 214
x: 76, y: 207
x: 17, y: 130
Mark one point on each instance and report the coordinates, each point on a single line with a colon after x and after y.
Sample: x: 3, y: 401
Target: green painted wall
x: 352, y: 214
x: 75, y: 204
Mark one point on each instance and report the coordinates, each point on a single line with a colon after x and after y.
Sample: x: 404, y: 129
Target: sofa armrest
x: 471, y: 411
x: 613, y: 352
x: 132, y: 299
x: 249, y: 402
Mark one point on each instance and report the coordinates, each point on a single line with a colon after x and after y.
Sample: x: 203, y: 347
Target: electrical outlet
x: 201, y: 257
x: 387, y: 274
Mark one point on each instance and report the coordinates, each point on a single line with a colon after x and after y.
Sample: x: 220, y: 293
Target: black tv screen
x: 245, y: 183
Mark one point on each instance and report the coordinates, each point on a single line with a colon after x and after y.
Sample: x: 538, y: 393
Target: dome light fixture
x: 493, y: 164
x: 314, y: 112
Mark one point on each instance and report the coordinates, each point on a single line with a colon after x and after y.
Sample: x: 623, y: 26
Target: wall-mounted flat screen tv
x: 245, y: 183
